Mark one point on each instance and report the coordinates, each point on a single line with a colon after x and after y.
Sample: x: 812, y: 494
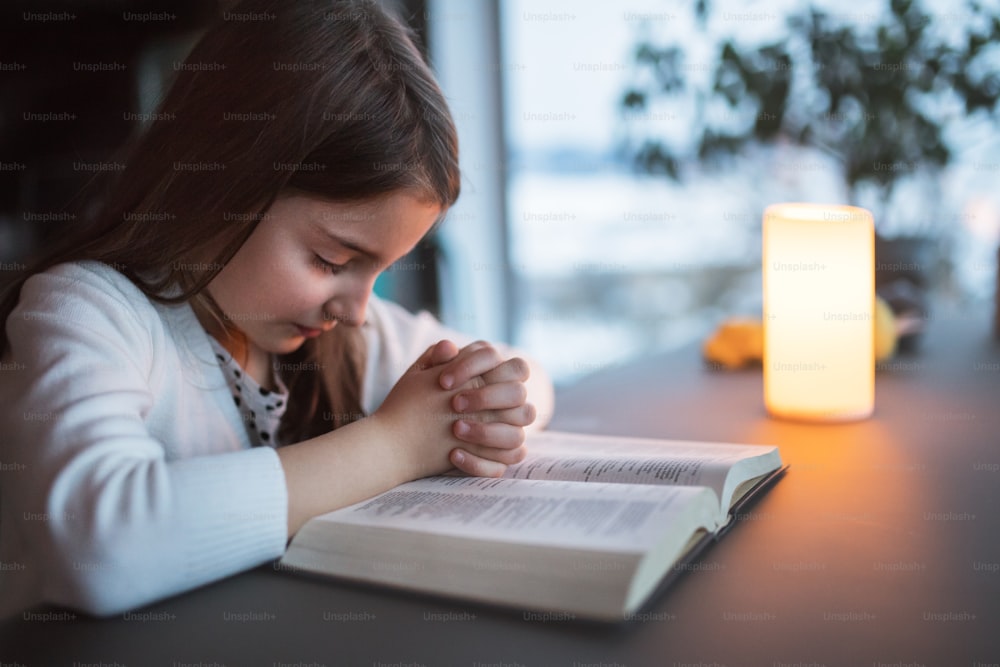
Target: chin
x: 286, y: 346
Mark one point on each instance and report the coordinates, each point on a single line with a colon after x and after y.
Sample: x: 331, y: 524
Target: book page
x: 554, y: 455
x: 611, y: 517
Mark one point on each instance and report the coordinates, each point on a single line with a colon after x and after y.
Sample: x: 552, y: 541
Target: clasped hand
x: 465, y: 408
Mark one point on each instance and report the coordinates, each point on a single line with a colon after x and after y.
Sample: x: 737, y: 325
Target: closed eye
x: 327, y: 267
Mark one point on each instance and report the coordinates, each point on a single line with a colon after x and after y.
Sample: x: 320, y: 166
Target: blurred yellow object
x: 739, y: 341
x: 886, y: 333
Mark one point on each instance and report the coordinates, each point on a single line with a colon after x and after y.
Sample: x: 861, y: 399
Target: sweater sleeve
x: 396, y: 337
x: 106, y: 518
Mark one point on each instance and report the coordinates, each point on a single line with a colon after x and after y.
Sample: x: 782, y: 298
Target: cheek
x: 273, y: 273
x: 260, y: 277
x: 304, y: 295
x: 300, y: 286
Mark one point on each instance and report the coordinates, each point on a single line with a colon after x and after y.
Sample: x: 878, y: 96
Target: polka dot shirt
x: 260, y: 408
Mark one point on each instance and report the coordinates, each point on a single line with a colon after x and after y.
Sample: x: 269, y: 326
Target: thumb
x: 438, y: 353
x: 443, y: 351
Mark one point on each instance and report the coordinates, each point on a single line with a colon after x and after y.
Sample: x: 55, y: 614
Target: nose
x: 348, y: 308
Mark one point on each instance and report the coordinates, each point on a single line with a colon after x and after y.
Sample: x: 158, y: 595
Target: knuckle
x: 477, y: 467
x: 475, y: 382
x: 483, y: 466
x: 475, y: 346
x: 477, y: 431
x: 470, y: 431
x: 504, y: 456
x: 470, y: 393
x: 510, y: 457
x: 489, y: 355
x: 474, y: 468
x: 471, y: 399
x: 529, y: 413
x: 519, y: 367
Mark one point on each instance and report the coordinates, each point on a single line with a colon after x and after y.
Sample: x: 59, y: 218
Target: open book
x: 585, y: 525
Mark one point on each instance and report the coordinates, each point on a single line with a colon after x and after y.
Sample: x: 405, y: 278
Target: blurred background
x: 617, y: 157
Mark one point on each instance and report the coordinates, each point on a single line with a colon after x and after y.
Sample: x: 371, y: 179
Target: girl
x: 221, y: 299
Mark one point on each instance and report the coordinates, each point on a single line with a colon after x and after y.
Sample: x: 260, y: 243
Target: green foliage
x: 878, y: 100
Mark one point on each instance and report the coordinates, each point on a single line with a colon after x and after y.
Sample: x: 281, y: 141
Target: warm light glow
x: 819, y: 299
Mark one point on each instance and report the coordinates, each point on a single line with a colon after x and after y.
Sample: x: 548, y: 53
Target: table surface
x: 878, y: 547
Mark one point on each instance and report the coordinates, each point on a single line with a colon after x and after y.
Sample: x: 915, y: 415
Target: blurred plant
x: 878, y: 101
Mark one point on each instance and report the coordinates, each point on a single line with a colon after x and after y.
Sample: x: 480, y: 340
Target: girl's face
x: 311, y: 263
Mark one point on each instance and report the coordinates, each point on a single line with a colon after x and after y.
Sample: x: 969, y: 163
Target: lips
x: 308, y: 332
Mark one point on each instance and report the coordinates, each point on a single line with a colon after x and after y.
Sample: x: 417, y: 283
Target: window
x: 610, y: 263
x: 601, y: 261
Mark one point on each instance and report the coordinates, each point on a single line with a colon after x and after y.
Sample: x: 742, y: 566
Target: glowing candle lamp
x: 819, y: 300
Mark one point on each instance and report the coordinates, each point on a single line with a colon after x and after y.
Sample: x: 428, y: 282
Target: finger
x: 424, y: 360
x: 522, y: 415
x: 444, y: 351
x: 489, y: 434
x: 514, y: 369
x: 490, y: 397
x: 438, y: 353
x: 504, y: 456
x: 471, y: 464
x: 474, y: 359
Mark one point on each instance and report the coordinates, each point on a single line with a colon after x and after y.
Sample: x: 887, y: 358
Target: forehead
x: 382, y: 228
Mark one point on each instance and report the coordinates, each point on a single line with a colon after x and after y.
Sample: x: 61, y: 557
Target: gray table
x: 879, y: 547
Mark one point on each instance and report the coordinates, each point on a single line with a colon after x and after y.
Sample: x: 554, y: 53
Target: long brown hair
x: 330, y: 97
